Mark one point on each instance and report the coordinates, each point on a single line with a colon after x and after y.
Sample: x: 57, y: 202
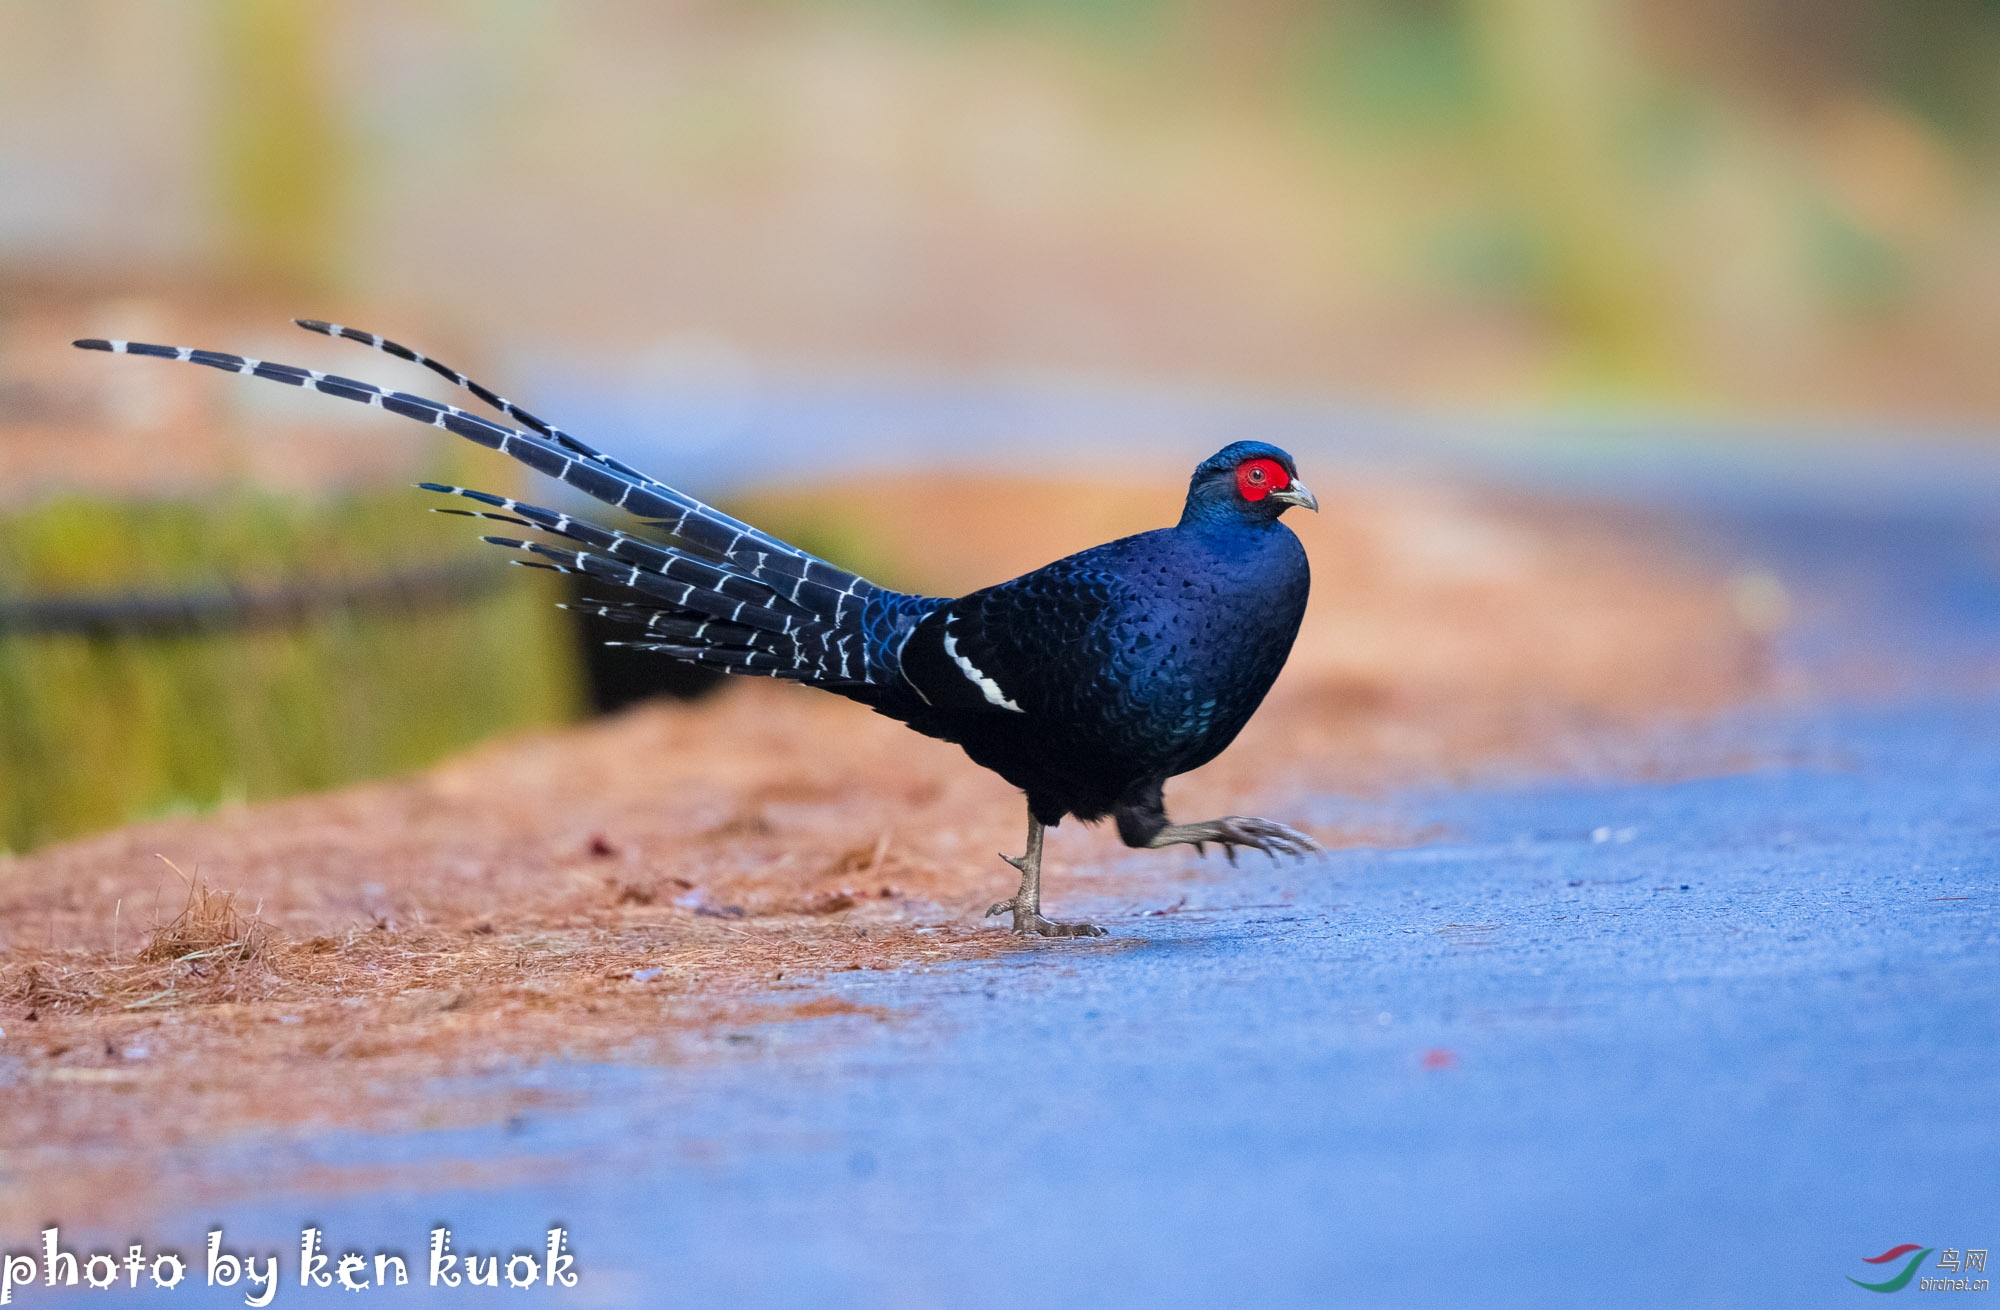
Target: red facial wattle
x: 1258, y: 478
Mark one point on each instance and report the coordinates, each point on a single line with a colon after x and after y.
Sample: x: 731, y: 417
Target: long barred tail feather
x: 683, y: 628
x: 625, y: 549
x: 725, y: 595
x: 717, y: 644
x: 484, y: 514
x: 724, y: 658
x: 714, y: 602
x: 629, y: 549
x: 702, y: 527
x: 458, y: 379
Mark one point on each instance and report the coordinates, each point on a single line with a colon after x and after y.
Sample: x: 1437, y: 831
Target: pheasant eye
x: 1258, y: 478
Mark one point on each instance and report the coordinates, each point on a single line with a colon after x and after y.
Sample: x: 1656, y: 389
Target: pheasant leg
x: 1026, y: 903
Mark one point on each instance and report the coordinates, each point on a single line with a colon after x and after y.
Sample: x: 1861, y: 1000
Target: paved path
x: 1699, y: 1042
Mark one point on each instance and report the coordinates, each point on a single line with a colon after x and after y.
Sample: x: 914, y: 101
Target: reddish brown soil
x: 601, y: 892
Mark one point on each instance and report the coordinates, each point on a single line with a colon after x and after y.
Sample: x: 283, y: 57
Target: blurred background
x: 756, y: 244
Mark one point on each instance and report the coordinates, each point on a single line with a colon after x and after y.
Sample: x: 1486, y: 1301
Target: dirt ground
x: 602, y: 892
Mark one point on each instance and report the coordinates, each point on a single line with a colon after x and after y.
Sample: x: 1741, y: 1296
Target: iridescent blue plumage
x: 1087, y: 683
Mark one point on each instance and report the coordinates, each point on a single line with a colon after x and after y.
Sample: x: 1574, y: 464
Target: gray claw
x: 1274, y: 839
x: 1034, y: 925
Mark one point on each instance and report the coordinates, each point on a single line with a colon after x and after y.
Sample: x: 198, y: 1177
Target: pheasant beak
x: 1298, y: 494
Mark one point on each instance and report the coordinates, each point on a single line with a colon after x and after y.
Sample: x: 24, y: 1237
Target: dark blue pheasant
x: 1087, y: 683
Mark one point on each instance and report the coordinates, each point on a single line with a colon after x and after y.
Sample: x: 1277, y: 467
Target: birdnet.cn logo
x: 1952, y: 1270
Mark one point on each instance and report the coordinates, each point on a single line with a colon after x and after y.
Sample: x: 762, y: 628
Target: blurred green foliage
x: 281, y: 166
x: 1426, y: 61
x: 100, y: 731
x: 1563, y: 151
x: 1859, y: 271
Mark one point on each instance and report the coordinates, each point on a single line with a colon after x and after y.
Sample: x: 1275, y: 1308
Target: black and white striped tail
x: 497, y: 401
x: 726, y: 595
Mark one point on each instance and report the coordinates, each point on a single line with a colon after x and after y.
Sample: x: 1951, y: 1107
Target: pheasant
x: 1086, y: 683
